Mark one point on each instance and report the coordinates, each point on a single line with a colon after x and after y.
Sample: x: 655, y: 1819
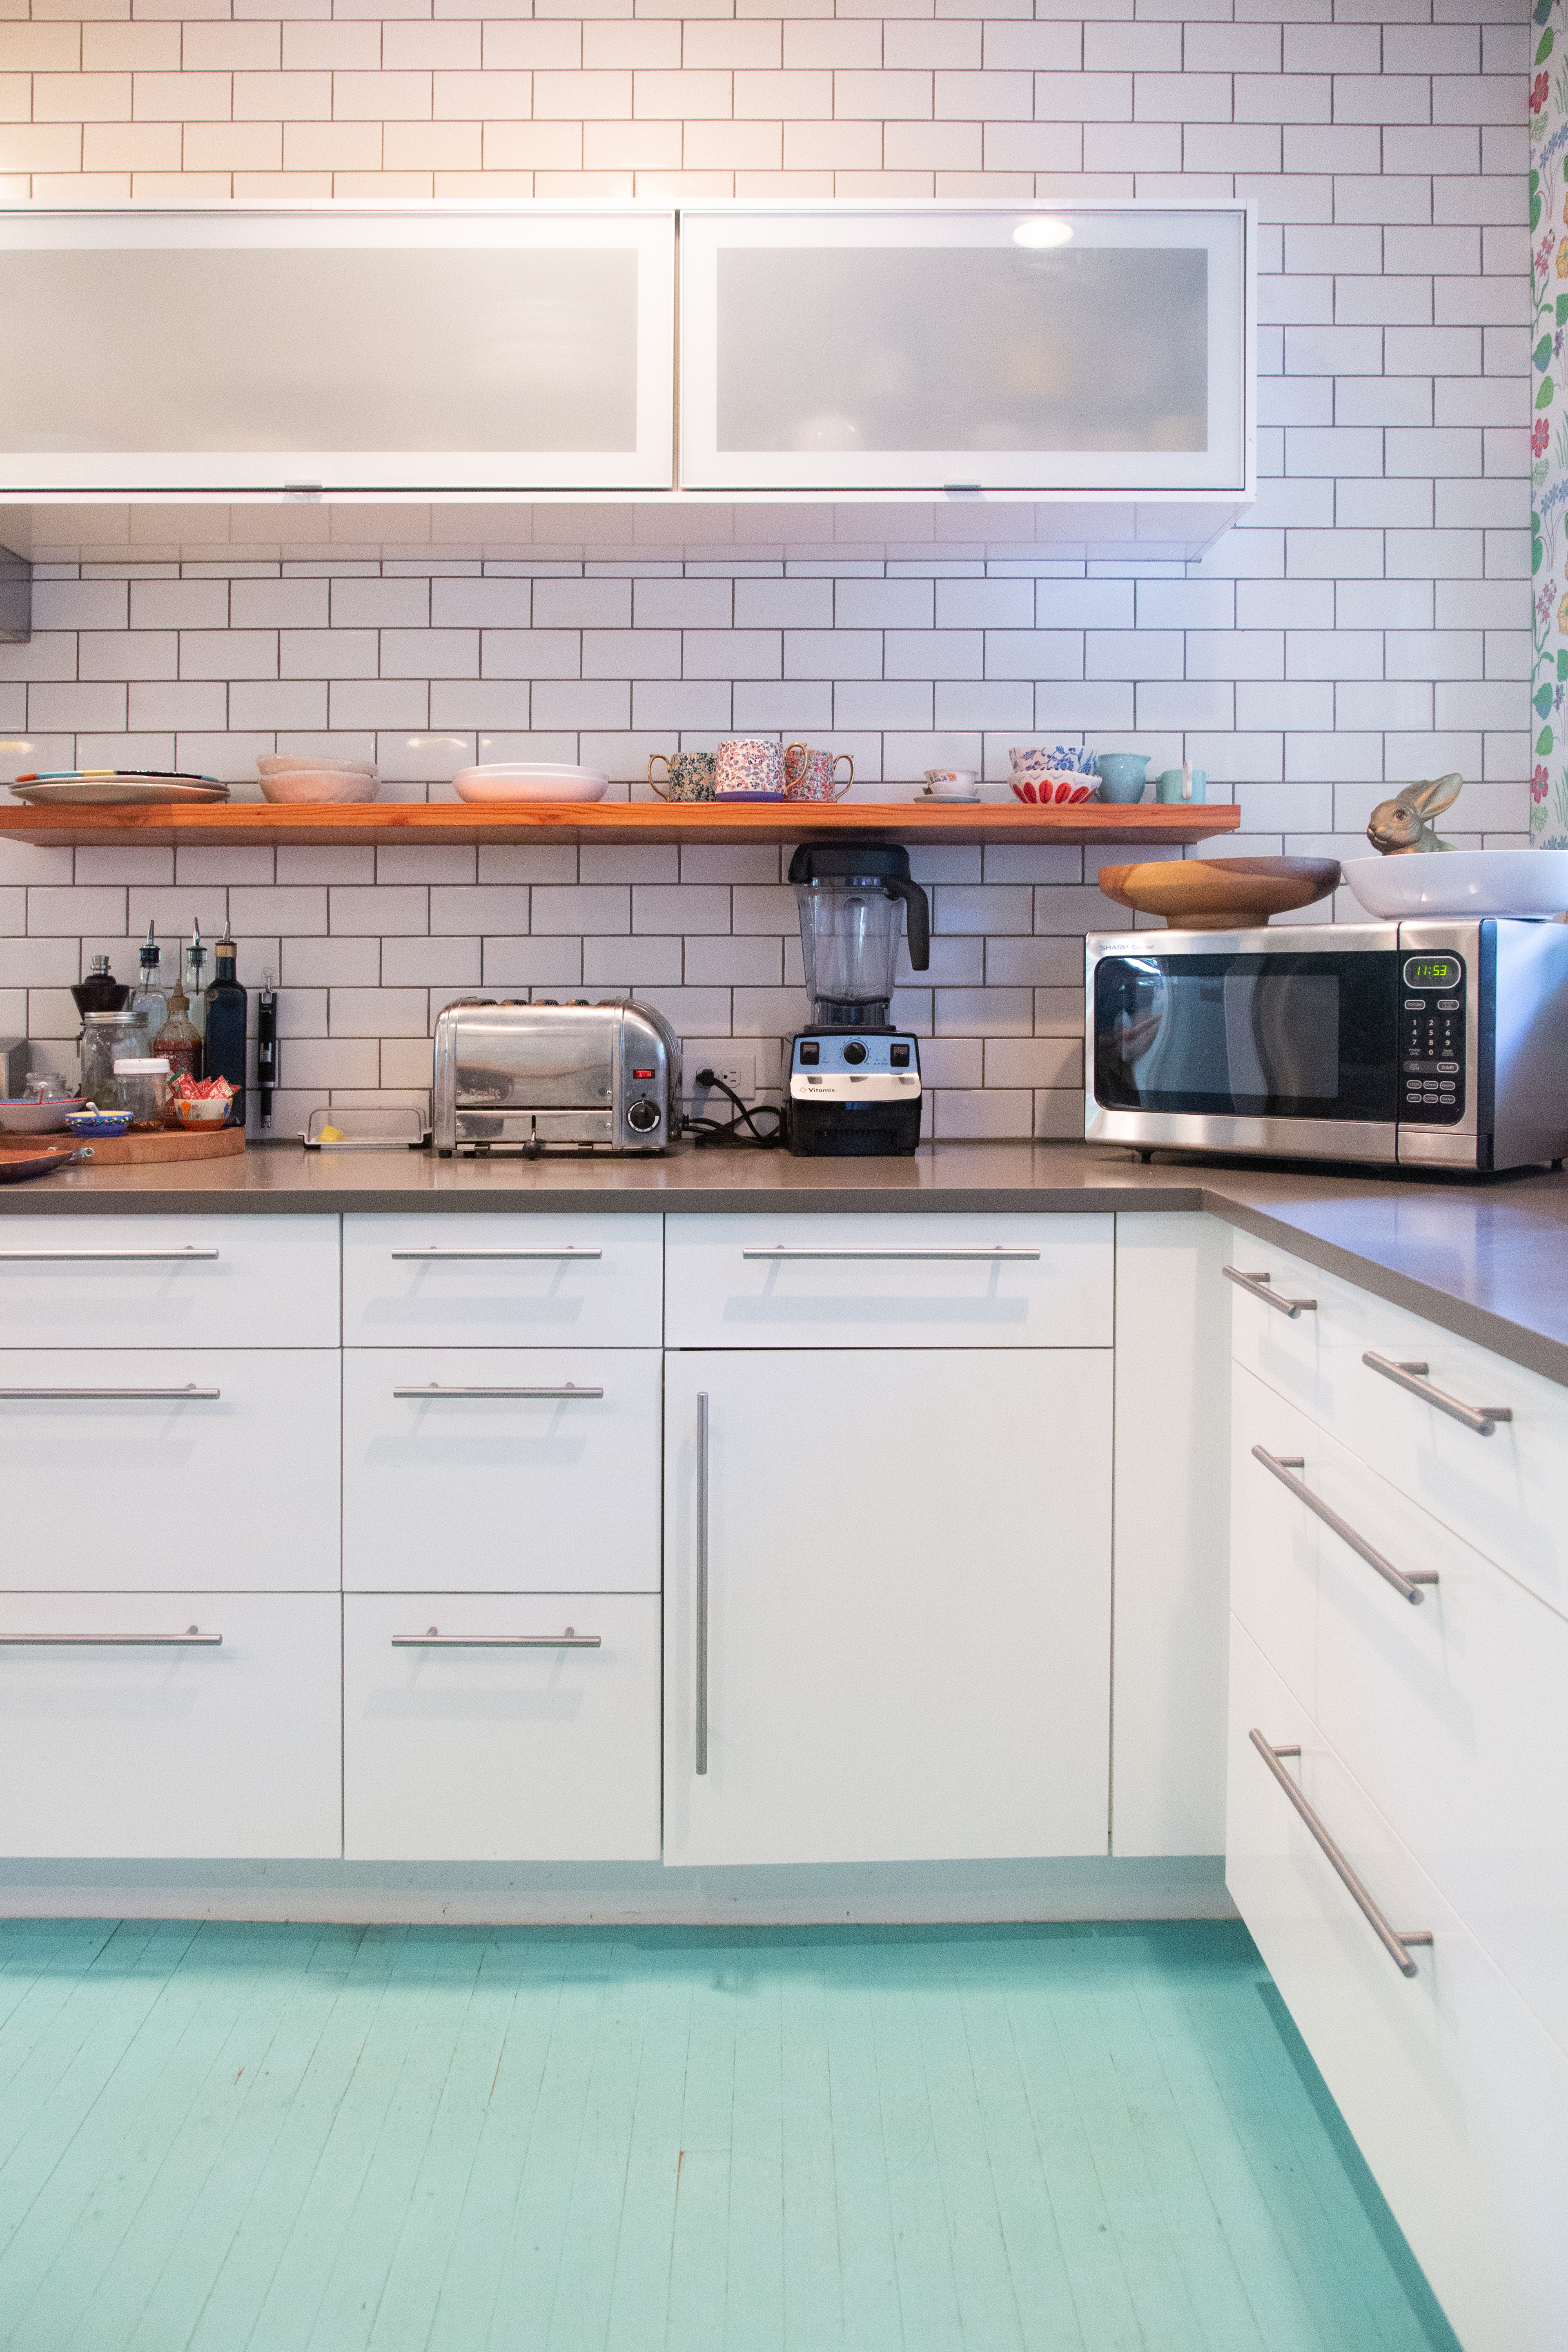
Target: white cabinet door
x: 865, y: 1281
x: 907, y: 1624
x: 1089, y: 347
x: 1457, y: 2097
x: 503, y: 1281
x: 1173, y: 1364
x: 502, y: 348
x: 166, y: 1282
x: 501, y: 1470
x: 127, y: 1470
x: 124, y: 1734
x: 468, y: 1735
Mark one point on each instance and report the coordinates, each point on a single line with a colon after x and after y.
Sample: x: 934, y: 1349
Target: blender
x: 855, y: 1081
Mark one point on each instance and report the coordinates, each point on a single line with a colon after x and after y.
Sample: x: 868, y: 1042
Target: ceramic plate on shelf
x: 529, y: 780
x: 112, y: 789
x: 722, y: 798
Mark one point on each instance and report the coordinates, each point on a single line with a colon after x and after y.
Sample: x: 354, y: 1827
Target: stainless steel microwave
x: 1433, y: 1044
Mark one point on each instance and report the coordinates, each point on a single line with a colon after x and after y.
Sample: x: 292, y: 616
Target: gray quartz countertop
x: 1485, y: 1258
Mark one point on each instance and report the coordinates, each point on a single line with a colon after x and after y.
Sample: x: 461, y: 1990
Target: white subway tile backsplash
x: 1369, y: 619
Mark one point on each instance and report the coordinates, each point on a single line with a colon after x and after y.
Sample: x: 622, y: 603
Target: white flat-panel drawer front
x: 164, y: 1282
x: 126, y: 1731
x: 890, y: 1281
x: 1450, y: 1713
x: 478, y: 1727
x: 501, y: 1469
x: 1456, y: 2097
x: 502, y: 1282
x: 1273, y: 1535
x: 1499, y: 1483
x: 124, y: 1469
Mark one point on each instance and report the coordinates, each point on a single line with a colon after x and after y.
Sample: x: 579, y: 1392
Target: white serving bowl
x: 28, y: 1116
x: 206, y: 1111
x: 318, y: 785
x: 529, y: 780
x: 289, y: 764
x: 1461, y: 882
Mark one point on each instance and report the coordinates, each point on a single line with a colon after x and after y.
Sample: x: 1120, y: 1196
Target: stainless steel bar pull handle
x: 432, y: 1640
x: 1406, y: 1582
x: 702, y: 1580
x: 189, y: 1640
x: 1481, y: 1418
x: 189, y: 1394
x: 104, y: 1257
x: 1395, y: 1941
x: 1257, y: 1287
x: 458, y: 1256
x: 436, y: 1388
x: 982, y: 1257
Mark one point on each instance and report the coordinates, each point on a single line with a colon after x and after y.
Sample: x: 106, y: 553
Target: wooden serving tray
x: 128, y: 1150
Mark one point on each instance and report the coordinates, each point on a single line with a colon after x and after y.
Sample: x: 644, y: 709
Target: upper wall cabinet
x: 249, y: 349
x: 1097, y: 351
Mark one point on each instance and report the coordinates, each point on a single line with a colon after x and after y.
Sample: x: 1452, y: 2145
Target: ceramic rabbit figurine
x: 1404, y: 825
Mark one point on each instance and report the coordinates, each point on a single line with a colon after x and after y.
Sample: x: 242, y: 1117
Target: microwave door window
x: 1244, y: 1036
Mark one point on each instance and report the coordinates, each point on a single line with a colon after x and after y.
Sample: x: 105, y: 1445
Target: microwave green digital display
x: 1433, y: 971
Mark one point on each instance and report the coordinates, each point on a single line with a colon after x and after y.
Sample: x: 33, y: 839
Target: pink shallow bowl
x: 1055, y: 789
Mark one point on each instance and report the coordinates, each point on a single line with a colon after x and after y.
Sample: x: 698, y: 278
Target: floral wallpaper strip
x: 1549, y: 433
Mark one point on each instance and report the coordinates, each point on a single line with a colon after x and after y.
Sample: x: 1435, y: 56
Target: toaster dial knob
x: 642, y: 1116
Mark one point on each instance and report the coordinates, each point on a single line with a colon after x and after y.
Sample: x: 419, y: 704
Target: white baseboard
x: 637, y: 1894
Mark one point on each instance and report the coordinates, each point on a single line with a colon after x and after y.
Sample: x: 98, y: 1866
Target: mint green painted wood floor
x: 318, y: 2140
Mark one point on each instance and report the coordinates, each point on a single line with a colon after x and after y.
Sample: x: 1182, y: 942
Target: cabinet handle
x: 434, y: 1641
x: 451, y: 1257
x: 104, y: 1257
x: 1481, y: 1418
x: 1407, y: 1584
x: 986, y: 1257
x: 702, y: 1580
x: 1257, y: 1287
x: 435, y: 1389
x: 189, y: 1394
x: 1394, y: 1943
x: 189, y: 1640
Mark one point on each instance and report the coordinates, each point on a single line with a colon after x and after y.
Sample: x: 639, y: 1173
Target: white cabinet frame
x: 1226, y: 232
x: 646, y: 231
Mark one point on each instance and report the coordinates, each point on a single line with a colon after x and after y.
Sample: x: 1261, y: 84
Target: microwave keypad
x: 1432, y: 1046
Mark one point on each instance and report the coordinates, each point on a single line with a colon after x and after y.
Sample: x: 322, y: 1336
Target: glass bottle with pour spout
x: 179, y: 1042
x: 150, y: 1001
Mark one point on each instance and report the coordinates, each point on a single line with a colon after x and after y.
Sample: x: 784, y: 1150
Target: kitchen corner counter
x: 1487, y: 1260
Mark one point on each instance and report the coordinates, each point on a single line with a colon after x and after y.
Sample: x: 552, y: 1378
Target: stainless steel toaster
x: 512, y: 1076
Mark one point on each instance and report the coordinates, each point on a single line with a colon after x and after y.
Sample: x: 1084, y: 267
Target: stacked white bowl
x: 304, y: 776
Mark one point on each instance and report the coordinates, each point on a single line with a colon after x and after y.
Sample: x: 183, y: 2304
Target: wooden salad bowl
x: 1220, y: 894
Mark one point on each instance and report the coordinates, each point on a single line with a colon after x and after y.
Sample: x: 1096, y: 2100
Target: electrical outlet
x: 737, y: 1070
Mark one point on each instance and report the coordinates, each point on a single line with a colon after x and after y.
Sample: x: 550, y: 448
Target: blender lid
x: 850, y: 861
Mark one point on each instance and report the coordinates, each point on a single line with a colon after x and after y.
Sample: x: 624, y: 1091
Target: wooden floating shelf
x: 505, y: 823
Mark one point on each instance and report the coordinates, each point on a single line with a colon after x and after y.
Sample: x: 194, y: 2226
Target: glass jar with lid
x: 108, y: 1038
x: 143, y: 1084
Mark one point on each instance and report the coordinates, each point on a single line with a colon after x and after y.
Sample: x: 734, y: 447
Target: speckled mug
x: 690, y: 775
x: 751, y: 768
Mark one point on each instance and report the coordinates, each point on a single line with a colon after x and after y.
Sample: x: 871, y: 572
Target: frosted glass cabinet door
x: 1100, y: 348
x: 258, y: 350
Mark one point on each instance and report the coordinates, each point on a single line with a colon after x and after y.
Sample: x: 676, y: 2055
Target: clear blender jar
x: 853, y: 898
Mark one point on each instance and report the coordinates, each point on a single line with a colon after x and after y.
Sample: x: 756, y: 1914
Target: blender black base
x: 873, y: 1130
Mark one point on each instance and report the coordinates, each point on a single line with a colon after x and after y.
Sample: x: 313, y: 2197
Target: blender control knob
x: 854, y: 1052
x: 642, y: 1116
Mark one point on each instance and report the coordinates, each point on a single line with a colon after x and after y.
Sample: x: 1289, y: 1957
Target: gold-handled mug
x: 690, y: 775
x: 811, y: 775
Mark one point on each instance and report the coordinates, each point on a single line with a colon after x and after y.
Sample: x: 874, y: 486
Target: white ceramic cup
x: 951, y: 783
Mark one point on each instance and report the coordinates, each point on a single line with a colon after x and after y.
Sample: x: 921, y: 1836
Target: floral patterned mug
x: 751, y: 768
x: 688, y: 774
x: 810, y: 775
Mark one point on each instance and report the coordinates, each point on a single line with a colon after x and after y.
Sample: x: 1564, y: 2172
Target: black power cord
x: 741, y: 1133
